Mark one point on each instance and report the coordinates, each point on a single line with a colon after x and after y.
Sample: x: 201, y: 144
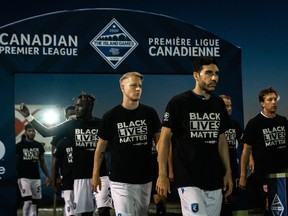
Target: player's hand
x: 57, y: 186
x: 48, y: 181
x: 228, y: 184
x: 242, y: 182
x: 163, y: 185
x: 251, y: 166
x: 24, y: 110
x: 96, y: 184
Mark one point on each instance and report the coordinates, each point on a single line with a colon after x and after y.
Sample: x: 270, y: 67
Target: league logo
x: 166, y: 116
x: 195, y: 207
x: 277, y: 207
x: 114, y: 43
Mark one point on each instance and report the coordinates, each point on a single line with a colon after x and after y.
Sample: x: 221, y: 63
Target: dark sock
x: 87, y: 214
x: 104, y: 211
x: 160, y: 209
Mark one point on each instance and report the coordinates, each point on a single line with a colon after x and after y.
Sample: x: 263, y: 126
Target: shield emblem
x: 195, y: 207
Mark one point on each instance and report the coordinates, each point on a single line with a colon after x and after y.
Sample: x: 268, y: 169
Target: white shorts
x: 195, y: 201
x: 83, y: 196
x: 30, y: 187
x: 103, y: 197
x: 69, y: 208
x: 131, y: 199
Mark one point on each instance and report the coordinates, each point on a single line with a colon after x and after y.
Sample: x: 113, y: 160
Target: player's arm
x: 56, y: 179
x: 44, y: 131
x: 251, y: 165
x: 98, y: 158
x: 163, y: 184
x: 156, y: 137
x: 224, y: 154
x: 170, y: 165
x: 170, y: 160
x: 44, y: 169
x: 55, y: 172
x: 243, y: 166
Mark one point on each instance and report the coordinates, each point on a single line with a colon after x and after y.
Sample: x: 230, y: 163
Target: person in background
x: 69, y: 113
x: 29, y: 153
x: 82, y: 133
x: 62, y: 166
x: 195, y: 122
x: 266, y: 136
x: 233, y: 136
x: 63, y: 162
x: 129, y: 128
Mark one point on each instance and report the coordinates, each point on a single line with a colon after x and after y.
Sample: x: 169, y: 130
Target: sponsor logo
x: 114, y: 43
x: 277, y: 206
x: 2, y: 150
x: 195, y: 207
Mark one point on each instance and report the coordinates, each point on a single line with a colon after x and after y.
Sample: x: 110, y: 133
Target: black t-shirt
x: 83, y: 135
x: 130, y: 133
x: 55, y: 140
x: 28, y: 154
x: 196, y: 125
x: 64, y: 154
x: 269, y: 141
x: 233, y: 136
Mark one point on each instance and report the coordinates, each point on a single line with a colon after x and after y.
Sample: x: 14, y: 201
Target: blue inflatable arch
x: 102, y: 42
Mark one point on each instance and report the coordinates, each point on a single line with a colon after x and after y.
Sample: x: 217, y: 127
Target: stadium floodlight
x: 51, y: 117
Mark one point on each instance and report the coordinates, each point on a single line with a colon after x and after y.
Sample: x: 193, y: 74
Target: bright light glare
x: 51, y: 117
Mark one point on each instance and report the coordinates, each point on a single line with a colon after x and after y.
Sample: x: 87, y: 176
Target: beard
x: 207, y: 88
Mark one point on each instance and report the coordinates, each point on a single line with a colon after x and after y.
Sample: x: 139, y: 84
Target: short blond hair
x: 131, y: 74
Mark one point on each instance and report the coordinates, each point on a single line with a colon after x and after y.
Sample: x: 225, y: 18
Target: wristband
x: 30, y: 118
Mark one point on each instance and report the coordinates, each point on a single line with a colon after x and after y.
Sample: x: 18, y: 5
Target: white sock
x: 33, y: 210
x: 26, y: 207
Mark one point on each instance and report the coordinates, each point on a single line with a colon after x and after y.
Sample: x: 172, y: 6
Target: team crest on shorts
x: 119, y: 214
x: 195, y: 207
